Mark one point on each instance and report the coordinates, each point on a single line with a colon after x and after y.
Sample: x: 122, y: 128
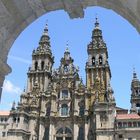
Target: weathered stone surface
x: 16, y: 15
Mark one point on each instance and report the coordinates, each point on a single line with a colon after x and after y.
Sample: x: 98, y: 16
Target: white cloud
x: 9, y: 87
x: 19, y: 59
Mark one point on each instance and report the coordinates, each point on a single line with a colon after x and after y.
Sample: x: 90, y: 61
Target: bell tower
x: 135, y: 94
x: 97, y: 67
x: 98, y: 76
x: 42, y: 62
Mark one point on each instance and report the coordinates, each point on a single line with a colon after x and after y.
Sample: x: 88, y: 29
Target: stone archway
x: 16, y: 15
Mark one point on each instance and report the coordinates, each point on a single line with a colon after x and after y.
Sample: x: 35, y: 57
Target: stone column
x: 28, y: 84
x: 86, y: 131
x: 51, y: 132
x: 86, y: 105
x: 46, y: 83
x: 21, y: 123
x: 41, y: 131
x: 32, y: 127
x: 75, y: 132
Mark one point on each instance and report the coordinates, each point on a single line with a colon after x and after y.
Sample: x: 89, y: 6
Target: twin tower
x: 56, y: 105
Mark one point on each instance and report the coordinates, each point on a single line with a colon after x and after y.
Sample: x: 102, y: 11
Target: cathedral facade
x: 57, y: 105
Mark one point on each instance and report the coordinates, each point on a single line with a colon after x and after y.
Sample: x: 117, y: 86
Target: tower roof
x: 44, y: 44
x: 97, y: 24
x: 96, y: 31
x: 134, y: 75
x: 67, y: 49
x: 135, y: 78
x: 97, y: 38
x: 67, y: 57
x: 67, y: 67
x: 45, y: 33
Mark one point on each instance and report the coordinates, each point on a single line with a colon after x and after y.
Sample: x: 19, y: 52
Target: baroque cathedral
x: 56, y: 105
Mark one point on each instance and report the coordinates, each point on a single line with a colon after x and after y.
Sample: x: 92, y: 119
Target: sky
x: 122, y: 39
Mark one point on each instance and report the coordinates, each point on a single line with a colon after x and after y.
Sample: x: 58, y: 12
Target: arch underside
x: 16, y: 15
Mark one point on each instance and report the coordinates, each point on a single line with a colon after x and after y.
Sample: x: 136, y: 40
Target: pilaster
x: 75, y: 131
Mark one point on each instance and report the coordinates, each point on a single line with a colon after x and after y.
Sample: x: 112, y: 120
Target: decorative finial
x: 46, y: 29
x: 67, y: 43
x: 96, y: 22
x: 67, y: 47
x: 134, y: 73
x: 24, y: 89
x: 96, y: 17
x: 13, y: 105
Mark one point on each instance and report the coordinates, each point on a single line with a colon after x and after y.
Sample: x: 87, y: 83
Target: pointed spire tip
x: 67, y: 47
x: 96, y: 22
x: 134, y: 73
x: 46, y: 29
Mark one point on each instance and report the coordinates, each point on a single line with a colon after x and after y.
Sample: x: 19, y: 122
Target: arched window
x: 124, y: 124
x: 119, y: 124
x: 18, y: 119
x: 134, y: 124
x: 136, y: 92
x: 67, y: 130
x: 81, y: 111
x: 60, y: 131
x: 36, y: 65
x: 137, y: 104
x: 48, y: 111
x: 129, y: 124
x: 64, y: 134
x: 81, y: 108
x: 64, y: 93
x: 100, y: 60
x: 138, y: 124
x: 14, y: 119
x: 58, y: 95
x: 64, y: 110
x: 93, y: 60
x: 42, y: 65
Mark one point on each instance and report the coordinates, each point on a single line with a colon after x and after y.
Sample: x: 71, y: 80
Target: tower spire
x: 44, y: 43
x: 46, y: 30
x: 97, y: 38
x: 97, y: 65
x: 45, y: 39
x: 67, y: 48
x: 42, y: 62
x: 96, y: 23
x: 13, y: 105
x: 134, y: 74
x: 135, y: 93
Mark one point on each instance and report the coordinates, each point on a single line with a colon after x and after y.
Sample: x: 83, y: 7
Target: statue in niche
x: 103, y: 116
